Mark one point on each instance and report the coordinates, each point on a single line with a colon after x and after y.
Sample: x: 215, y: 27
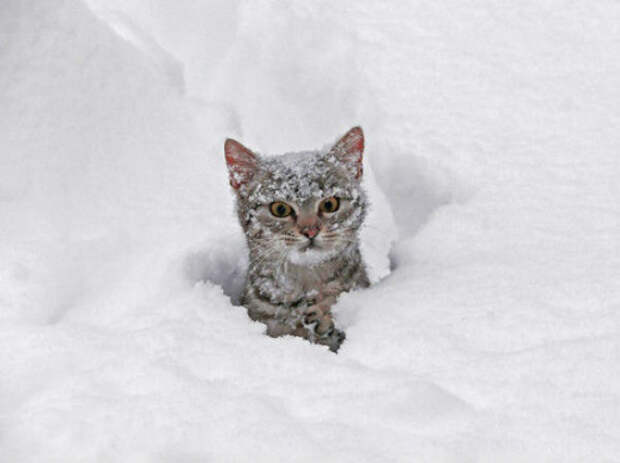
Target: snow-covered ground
x: 493, y: 138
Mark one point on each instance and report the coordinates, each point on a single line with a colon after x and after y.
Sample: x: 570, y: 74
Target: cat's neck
x: 280, y: 281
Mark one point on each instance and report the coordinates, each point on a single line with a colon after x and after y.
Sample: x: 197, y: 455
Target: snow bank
x: 493, y: 135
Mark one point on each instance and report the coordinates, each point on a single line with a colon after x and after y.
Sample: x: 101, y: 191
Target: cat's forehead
x: 300, y: 162
x: 301, y: 176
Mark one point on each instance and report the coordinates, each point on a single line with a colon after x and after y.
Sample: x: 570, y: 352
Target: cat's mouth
x: 310, y: 244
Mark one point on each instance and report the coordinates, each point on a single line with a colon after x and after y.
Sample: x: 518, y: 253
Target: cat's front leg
x: 322, y: 327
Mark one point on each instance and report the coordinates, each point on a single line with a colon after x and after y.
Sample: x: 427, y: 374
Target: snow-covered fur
x: 304, y: 254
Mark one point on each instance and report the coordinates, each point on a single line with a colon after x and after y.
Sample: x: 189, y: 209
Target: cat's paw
x: 333, y: 340
x: 320, y: 324
x: 319, y: 320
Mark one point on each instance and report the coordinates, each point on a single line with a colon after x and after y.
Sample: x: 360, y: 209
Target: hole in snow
x: 412, y: 188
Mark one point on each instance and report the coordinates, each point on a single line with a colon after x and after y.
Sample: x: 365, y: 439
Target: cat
x: 300, y: 213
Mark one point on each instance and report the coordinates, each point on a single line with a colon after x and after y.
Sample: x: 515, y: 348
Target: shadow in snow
x: 416, y: 188
x: 224, y: 264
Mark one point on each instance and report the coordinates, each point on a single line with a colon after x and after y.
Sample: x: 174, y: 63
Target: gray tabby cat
x: 301, y: 213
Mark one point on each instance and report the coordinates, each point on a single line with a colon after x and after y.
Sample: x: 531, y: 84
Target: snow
x: 491, y: 159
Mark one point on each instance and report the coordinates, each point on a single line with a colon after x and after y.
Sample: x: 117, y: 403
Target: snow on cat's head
x: 300, y: 207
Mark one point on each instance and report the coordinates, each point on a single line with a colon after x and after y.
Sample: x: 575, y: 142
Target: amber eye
x: 330, y: 205
x: 280, y: 209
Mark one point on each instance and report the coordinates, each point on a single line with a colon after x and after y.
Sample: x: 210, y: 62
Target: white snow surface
x: 493, y: 133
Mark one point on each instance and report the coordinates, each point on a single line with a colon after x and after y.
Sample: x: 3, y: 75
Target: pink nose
x: 310, y: 232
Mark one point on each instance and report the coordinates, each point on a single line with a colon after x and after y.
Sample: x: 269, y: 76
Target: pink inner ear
x: 241, y: 163
x: 355, y: 141
x: 350, y: 149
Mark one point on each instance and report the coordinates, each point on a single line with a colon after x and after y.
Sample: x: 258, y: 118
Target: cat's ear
x: 241, y: 163
x: 349, y: 151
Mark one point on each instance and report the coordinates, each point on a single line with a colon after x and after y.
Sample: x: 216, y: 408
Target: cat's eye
x: 280, y: 209
x: 329, y: 205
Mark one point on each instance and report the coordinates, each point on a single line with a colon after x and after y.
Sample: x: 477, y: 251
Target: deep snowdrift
x: 493, y: 134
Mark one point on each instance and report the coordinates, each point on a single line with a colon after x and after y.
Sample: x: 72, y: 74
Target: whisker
x: 262, y: 257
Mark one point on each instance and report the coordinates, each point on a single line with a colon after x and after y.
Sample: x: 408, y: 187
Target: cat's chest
x: 300, y: 281
x: 290, y: 283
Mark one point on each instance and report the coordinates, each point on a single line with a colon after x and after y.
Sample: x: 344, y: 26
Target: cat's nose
x: 310, y: 232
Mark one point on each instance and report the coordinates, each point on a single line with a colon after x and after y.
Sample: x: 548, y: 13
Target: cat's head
x: 304, y: 207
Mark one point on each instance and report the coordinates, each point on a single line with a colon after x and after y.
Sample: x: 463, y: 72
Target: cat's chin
x: 310, y: 256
